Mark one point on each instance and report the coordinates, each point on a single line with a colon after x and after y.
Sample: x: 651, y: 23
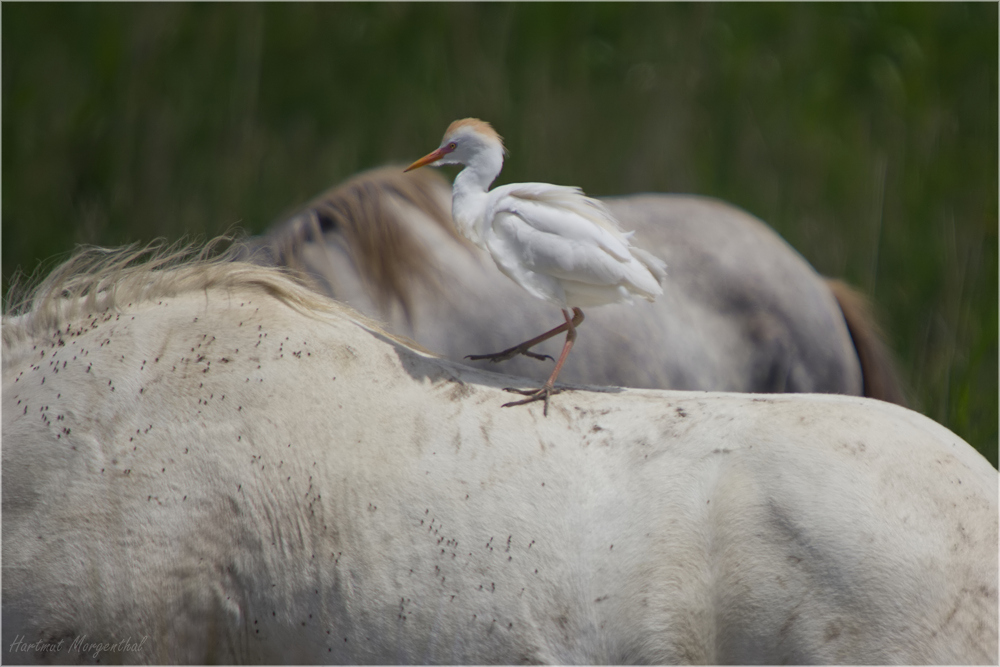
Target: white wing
x: 564, y: 211
x: 554, y: 242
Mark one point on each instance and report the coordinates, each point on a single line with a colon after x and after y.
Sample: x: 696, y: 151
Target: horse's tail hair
x: 878, y: 368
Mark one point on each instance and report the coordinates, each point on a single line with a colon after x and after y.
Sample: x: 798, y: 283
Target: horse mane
x: 878, y: 368
x: 366, y: 210
x: 97, y: 280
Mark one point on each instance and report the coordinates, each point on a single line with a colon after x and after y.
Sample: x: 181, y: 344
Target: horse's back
x: 741, y: 310
x: 737, y: 276
x: 236, y: 481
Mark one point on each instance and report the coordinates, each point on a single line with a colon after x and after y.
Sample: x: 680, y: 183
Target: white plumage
x: 553, y: 241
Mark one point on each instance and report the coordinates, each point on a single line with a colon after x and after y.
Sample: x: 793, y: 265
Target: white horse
x: 204, y: 461
x: 742, y: 310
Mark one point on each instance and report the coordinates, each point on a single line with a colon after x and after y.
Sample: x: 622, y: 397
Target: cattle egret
x: 555, y: 242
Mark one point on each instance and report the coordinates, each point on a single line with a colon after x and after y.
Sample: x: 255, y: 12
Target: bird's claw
x: 509, y: 354
x: 541, y: 394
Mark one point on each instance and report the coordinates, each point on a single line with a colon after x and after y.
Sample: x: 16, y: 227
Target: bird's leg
x: 524, y: 348
x: 547, y: 389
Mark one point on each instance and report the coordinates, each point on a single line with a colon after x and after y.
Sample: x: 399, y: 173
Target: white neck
x: 481, y: 169
x: 468, y: 203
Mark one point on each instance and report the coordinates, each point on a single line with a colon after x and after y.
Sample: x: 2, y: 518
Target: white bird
x: 552, y: 240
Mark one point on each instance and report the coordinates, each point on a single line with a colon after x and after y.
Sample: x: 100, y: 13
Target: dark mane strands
x: 365, y: 209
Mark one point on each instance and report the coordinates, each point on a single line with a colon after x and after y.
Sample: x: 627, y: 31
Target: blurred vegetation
x: 866, y: 134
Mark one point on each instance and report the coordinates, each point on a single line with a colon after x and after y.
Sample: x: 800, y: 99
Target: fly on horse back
x: 207, y: 461
x: 741, y: 310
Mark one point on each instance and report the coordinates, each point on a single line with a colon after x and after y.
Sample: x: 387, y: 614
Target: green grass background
x: 866, y: 134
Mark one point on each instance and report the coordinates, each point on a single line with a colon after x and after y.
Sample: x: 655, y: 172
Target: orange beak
x: 433, y: 156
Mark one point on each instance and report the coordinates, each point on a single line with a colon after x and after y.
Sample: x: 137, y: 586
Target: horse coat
x: 207, y: 462
x: 741, y: 309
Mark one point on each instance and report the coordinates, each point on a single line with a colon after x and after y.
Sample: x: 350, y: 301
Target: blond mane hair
x: 388, y: 257
x: 97, y: 280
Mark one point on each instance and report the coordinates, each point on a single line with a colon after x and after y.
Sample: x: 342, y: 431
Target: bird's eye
x: 452, y: 146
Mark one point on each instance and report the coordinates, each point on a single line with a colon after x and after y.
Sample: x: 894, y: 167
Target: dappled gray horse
x: 741, y: 310
x: 205, y: 462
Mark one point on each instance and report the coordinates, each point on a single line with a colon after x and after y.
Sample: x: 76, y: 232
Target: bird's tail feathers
x: 657, y: 269
x: 656, y: 266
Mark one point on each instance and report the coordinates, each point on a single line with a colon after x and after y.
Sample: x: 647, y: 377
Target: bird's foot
x: 541, y: 394
x: 497, y: 357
